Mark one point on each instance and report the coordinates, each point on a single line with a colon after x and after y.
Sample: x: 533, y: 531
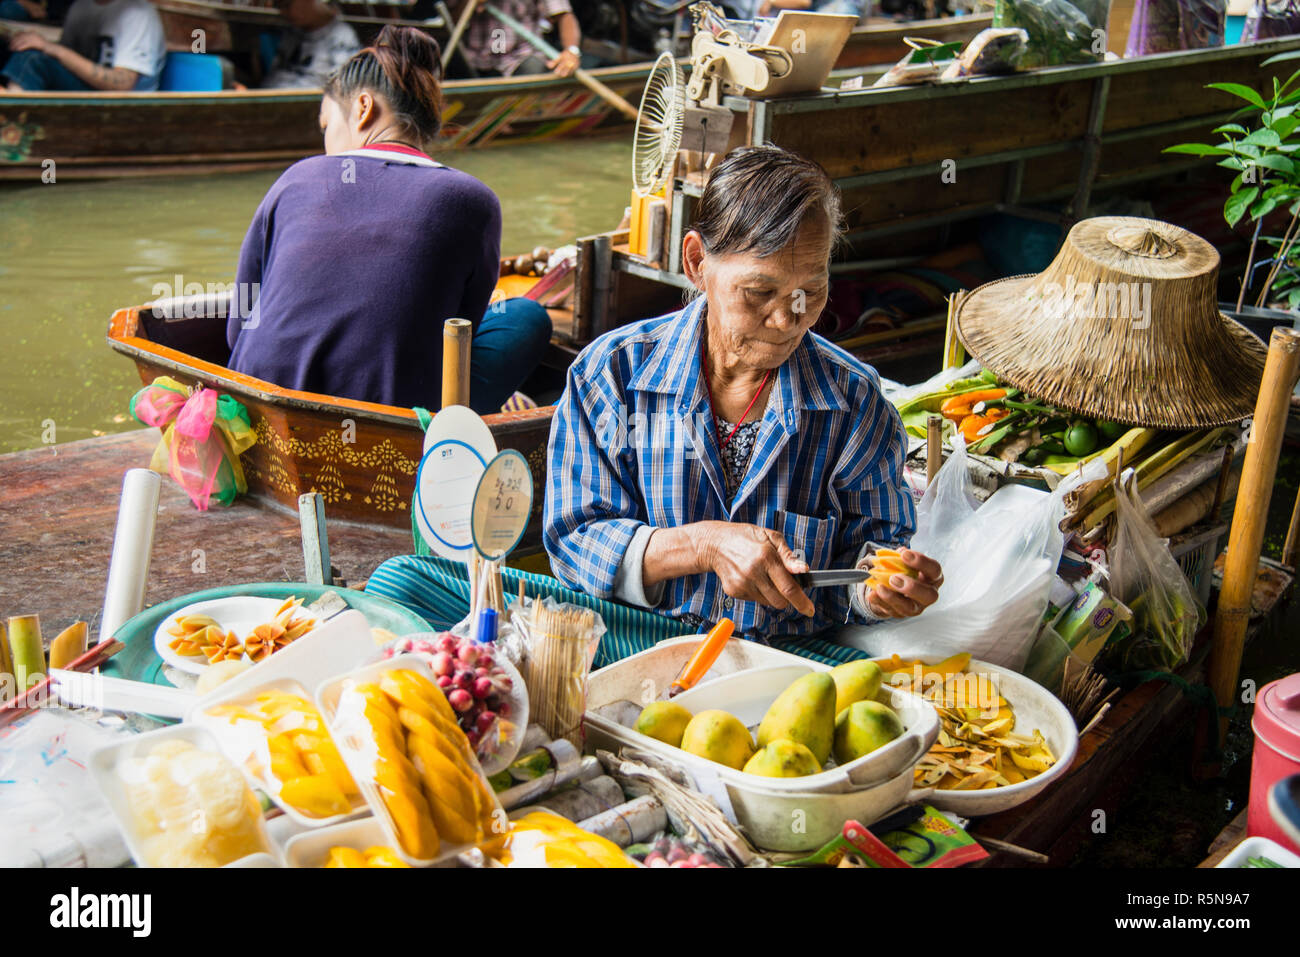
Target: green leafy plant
x: 1261, y: 148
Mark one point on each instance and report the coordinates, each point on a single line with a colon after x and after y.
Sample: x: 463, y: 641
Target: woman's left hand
x: 906, y: 597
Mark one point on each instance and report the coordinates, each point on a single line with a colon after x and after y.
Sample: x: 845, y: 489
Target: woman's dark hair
x: 404, y: 66
x: 757, y: 198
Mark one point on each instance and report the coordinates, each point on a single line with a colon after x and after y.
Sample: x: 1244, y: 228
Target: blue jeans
x: 508, y: 345
x: 33, y: 70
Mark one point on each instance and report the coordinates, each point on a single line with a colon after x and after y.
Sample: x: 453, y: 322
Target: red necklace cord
x: 704, y: 365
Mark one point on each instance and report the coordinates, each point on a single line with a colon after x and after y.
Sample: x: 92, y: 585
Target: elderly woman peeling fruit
x: 701, y: 460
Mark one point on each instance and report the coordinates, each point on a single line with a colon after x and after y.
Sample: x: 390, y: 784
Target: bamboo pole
x: 456, y: 336
x: 456, y: 32
x: 1249, y: 515
x: 933, y: 447
x: 1292, y: 537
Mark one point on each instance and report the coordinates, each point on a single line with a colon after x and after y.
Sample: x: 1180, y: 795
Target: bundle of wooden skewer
x: 1083, y: 692
x: 559, y: 654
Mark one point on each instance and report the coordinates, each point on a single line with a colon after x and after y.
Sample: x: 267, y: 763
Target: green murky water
x: 73, y: 252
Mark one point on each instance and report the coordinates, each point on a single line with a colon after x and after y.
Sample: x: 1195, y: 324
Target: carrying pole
x: 456, y: 336
x: 551, y: 53
x: 1249, y: 515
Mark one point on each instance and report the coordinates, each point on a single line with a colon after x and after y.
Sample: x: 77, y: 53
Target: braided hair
x: 404, y: 67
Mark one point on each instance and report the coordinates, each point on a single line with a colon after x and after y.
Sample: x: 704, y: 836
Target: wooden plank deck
x: 58, y: 511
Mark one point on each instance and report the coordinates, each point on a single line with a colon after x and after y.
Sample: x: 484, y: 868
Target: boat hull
x: 95, y: 135
x: 361, y: 457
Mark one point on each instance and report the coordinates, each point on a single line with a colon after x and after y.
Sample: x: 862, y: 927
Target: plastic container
x: 1277, y: 754
x: 103, y: 768
x: 1259, y: 847
x: 1035, y: 708
x: 190, y: 72
x: 359, y: 759
x: 243, y: 742
x: 312, y: 849
x: 780, y: 814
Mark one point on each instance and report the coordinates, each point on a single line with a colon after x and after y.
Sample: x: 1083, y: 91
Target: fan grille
x: 658, y: 126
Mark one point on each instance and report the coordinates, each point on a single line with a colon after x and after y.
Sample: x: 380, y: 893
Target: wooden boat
x: 365, y: 472
x: 93, y: 135
x: 98, y: 134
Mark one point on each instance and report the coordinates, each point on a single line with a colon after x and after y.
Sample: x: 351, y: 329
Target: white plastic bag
x: 999, y: 561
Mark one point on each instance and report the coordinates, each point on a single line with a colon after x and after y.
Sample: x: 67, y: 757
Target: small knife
x: 832, y: 576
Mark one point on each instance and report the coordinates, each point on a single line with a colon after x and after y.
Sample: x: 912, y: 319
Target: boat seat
x: 190, y: 73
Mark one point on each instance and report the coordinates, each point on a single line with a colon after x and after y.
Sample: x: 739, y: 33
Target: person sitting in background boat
x: 493, y: 49
x: 355, y: 259
x: 105, y: 45
x: 45, y: 11
x: 699, y: 461
x: 317, y: 44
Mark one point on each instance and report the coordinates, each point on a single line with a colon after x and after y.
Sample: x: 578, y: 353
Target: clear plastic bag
x: 1163, y: 26
x: 1059, y: 31
x: 999, y: 561
x: 1146, y: 578
x: 1271, y: 18
x: 562, y: 643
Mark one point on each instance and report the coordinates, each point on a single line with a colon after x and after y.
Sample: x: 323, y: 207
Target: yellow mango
x: 315, y: 794
x: 383, y: 857
x: 412, y: 682
x: 287, y: 766
x: 451, y: 797
x: 345, y: 857
x: 413, y: 822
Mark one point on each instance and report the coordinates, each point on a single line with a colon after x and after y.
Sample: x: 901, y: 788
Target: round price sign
x: 503, y: 503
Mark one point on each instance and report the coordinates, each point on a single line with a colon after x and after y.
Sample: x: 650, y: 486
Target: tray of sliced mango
x: 999, y: 732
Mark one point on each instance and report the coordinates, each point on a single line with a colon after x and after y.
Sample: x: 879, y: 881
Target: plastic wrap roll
x: 128, y: 569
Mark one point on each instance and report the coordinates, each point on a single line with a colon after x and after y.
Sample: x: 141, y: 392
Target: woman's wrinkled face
x: 761, y: 307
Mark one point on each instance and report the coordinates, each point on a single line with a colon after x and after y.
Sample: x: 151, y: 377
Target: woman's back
x: 354, y: 262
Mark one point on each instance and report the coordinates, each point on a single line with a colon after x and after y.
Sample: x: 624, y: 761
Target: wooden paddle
x: 461, y: 24
x: 581, y: 75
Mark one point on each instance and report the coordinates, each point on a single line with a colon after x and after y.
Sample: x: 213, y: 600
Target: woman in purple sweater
x: 354, y: 259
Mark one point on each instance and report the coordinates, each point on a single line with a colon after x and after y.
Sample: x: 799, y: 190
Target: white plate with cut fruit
x: 239, y: 627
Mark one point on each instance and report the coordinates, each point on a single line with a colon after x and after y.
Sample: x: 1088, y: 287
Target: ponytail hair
x: 404, y: 66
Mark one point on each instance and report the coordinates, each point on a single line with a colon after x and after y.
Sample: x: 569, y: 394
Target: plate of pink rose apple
x: 484, y: 689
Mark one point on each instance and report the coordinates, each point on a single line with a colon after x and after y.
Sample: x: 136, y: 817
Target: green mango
x: 855, y: 681
x: 863, y: 727
x: 783, y: 758
x: 805, y: 713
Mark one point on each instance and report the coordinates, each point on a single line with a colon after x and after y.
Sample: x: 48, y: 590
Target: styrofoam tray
x: 340, y: 644
x: 360, y: 761
x: 244, y: 743
x: 103, y: 769
x: 312, y: 849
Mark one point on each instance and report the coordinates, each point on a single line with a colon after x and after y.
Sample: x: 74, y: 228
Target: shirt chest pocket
x: 812, y: 539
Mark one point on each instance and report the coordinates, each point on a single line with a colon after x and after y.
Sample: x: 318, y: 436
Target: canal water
x: 73, y: 252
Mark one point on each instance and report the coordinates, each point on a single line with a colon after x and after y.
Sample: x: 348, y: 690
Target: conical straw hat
x: 1123, y: 325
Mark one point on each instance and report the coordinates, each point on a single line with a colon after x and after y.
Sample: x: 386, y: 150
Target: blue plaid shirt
x: 633, y: 444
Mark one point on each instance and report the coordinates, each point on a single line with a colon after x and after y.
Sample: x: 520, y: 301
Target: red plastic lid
x: 1277, y: 714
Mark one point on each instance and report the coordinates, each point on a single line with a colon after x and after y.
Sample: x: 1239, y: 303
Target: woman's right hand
x: 753, y: 564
